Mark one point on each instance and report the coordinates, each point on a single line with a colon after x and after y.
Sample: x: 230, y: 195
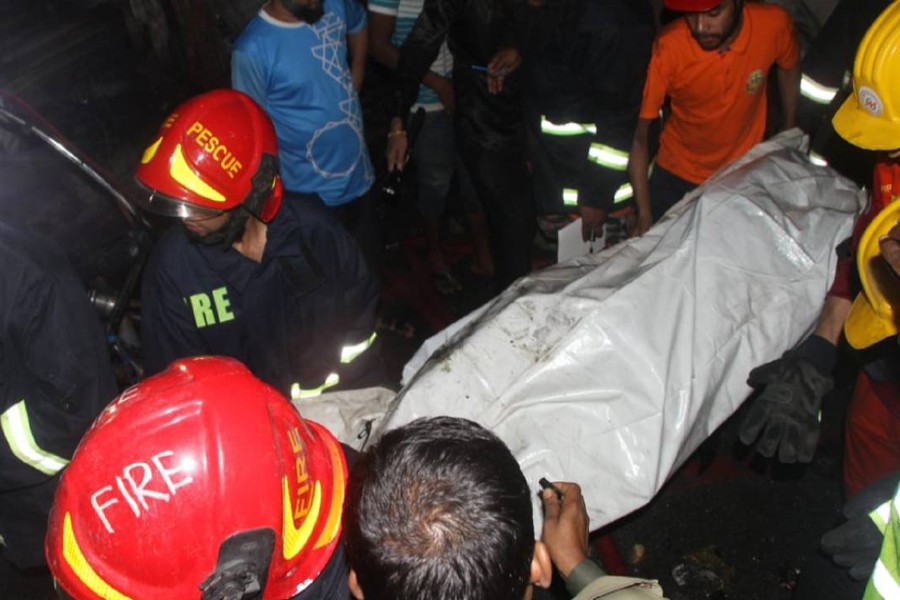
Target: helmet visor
x: 160, y: 204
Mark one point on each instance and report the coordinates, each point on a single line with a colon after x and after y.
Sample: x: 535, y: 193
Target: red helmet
x: 200, y: 482
x: 691, y: 5
x: 216, y: 152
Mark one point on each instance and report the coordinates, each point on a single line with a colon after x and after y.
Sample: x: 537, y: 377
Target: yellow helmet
x: 872, y: 317
x: 870, y: 118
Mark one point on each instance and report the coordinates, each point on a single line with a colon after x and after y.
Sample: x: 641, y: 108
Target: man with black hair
x: 439, y: 508
x: 713, y: 66
x: 304, y: 61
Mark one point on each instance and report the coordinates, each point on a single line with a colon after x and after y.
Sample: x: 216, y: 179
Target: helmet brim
x: 862, y: 129
x: 164, y: 206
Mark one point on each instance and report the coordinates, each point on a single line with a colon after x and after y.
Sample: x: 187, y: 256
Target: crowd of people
x: 539, y: 107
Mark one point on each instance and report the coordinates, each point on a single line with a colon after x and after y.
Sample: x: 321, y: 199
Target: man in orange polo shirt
x: 713, y: 65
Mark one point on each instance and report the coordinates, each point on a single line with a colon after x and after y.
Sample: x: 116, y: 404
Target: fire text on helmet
x: 136, y: 485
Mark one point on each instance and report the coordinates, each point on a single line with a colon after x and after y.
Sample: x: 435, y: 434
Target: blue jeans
x: 436, y: 159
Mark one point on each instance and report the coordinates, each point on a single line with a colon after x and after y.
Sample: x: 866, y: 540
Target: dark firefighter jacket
x: 474, y: 30
x: 585, y: 61
x: 55, y: 377
x: 297, y: 319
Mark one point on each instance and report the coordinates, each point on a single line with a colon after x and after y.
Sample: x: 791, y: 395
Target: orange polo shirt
x: 718, y: 99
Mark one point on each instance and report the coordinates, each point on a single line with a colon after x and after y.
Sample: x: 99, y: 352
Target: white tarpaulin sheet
x: 611, y: 369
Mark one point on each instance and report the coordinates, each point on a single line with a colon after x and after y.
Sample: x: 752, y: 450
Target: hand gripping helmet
x: 216, y: 152
x: 871, y: 317
x: 200, y: 482
x: 691, y: 5
x: 870, y: 118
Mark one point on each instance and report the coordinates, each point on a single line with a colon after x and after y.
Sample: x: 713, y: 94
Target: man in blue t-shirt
x: 292, y: 58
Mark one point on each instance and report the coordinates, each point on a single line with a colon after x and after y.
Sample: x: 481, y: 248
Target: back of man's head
x: 439, y: 509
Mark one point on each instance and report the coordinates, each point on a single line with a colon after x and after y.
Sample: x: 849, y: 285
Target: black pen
x: 545, y: 484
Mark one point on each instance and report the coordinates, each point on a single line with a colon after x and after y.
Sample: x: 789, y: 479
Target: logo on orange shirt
x: 755, y: 82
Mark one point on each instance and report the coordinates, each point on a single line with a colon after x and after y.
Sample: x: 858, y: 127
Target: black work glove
x: 787, y: 410
x: 856, y: 544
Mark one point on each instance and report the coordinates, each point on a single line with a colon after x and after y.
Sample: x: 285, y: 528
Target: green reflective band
x: 882, y: 585
x: 609, y: 157
x: 17, y: 431
x: 817, y: 159
x: 815, y: 91
x: 625, y: 192
x: 350, y: 353
x: 299, y: 393
x: 881, y: 516
x: 566, y: 129
x: 570, y: 197
x: 885, y: 581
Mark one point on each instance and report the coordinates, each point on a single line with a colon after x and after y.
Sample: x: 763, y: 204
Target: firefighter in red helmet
x: 279, y: 285
x: 201, y: 482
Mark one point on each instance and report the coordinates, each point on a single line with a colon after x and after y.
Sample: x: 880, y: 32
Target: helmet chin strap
x: 242, y: 568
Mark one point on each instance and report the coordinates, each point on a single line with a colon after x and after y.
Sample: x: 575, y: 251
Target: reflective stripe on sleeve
x: 625, y: 192
x: 817, y: 159
x: 566, y: 129
x: 17, y: 431
x: 570, y: 197
x: 350, y: 353
x: 299, y: 393
x: 815, y: 91
x: 607, y: 156
x: 883, y: 583
x: 881, y: 516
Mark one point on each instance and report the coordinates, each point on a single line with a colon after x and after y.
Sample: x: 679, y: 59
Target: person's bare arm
x: 789, y: 92
x: 356, y: 45
x: 831, y: 320
x: 890, y: 248
x: 638, y: 173
x: 382, y: 49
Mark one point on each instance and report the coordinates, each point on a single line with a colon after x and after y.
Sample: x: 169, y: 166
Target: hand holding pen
x: 503, y: 63
x: 566, y: 522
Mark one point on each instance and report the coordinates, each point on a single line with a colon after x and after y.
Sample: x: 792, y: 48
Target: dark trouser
x: 821, y: 579
x: 666, y: 189
x: 503, y: 185
x: 360, y: 218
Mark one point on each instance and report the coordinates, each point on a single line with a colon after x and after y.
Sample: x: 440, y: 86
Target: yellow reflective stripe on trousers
x: 299, y: 393
x: 815, y: 91
x: 607, y: 156
x: 350, y: 353
x: 17, y: 431
x: 566, y: 129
